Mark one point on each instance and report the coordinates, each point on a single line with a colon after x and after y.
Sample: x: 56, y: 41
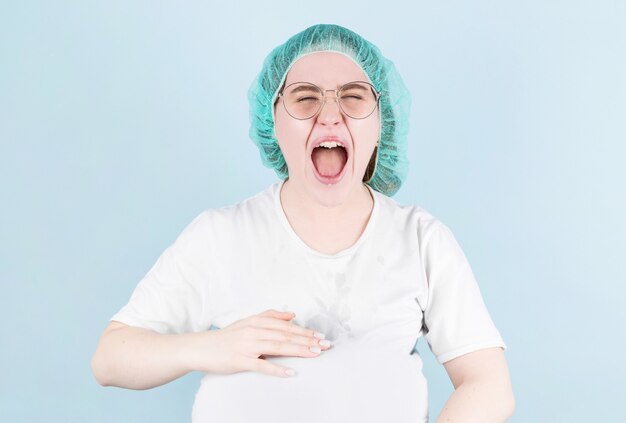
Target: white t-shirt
x: 405, y: 277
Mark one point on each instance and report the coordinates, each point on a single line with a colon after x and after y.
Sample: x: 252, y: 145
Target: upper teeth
x: 330, y: 144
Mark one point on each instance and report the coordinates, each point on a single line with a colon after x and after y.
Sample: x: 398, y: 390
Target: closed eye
x: 307, y: 99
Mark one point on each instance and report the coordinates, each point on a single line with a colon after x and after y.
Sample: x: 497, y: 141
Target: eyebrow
x: 354, y: 85
x: 310, y: 88
x: 302, y: 88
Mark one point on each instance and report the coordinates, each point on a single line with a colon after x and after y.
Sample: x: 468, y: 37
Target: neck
x: 297, y: 203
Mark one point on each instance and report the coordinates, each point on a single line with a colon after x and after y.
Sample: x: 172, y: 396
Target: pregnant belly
x: 348, y: 383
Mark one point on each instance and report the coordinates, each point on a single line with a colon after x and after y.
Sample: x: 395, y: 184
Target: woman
x: 320, y: 285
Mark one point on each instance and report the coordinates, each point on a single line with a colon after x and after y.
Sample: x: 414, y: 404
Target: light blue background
x: 121, y: 121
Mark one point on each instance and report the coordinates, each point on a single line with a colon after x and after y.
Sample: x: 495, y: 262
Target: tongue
x: 329, y: 161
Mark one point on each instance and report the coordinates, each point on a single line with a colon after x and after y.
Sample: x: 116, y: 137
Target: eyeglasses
x: 303, y: 100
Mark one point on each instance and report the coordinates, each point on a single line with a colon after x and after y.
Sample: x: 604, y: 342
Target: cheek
x: 366, y: 134
x: 369, y: 129
x: 290, y: 133
x: 376, y: 125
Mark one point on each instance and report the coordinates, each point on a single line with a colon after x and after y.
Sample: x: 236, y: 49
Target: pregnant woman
x: 303, y: 303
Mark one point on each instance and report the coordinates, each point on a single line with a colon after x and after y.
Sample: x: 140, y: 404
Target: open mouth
x: 329, y: 161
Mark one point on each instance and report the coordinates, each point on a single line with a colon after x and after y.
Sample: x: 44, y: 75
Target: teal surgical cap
x: 391, y: 162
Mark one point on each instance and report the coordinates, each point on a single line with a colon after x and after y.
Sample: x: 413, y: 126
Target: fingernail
x: 319, y: 335
x: 290, y: 372
x: 316, y: 350
x: 325, y: 343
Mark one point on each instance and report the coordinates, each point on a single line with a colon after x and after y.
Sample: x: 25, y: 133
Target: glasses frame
x: 335, y: 98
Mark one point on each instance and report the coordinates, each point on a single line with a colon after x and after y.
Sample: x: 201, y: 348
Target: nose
x: 330, y: 114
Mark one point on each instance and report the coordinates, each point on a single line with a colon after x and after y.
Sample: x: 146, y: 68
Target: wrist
x: 190, y: 354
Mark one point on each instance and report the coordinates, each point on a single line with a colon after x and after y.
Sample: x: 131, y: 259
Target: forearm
x: 479, y: 401
x: 136, y: 358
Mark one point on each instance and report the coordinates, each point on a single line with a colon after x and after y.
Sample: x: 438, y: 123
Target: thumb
x: 268, y: 368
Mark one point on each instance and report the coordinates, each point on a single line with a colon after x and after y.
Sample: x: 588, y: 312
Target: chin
x: 332, y: 195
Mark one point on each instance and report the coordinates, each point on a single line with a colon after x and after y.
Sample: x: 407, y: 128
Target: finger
x: 289, y: 337
x: 284, y: 315
x: 276, y: 324
x: 287, y: 349
x: 267, y: 314
x: 268, y: 368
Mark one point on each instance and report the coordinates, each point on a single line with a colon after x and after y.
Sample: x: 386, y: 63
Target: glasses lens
x: 357, y: 99
x: 302, y: 100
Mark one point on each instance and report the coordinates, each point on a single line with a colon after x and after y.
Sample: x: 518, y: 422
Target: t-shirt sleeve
x: 456, y: 318
x: 171, y: 296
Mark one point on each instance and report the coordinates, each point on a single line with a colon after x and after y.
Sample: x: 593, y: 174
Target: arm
x: 483, y: 392
x: 136, y: 358
x: 168, y: 306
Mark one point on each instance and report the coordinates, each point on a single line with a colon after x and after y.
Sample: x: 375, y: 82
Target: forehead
x: 327, y: 69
